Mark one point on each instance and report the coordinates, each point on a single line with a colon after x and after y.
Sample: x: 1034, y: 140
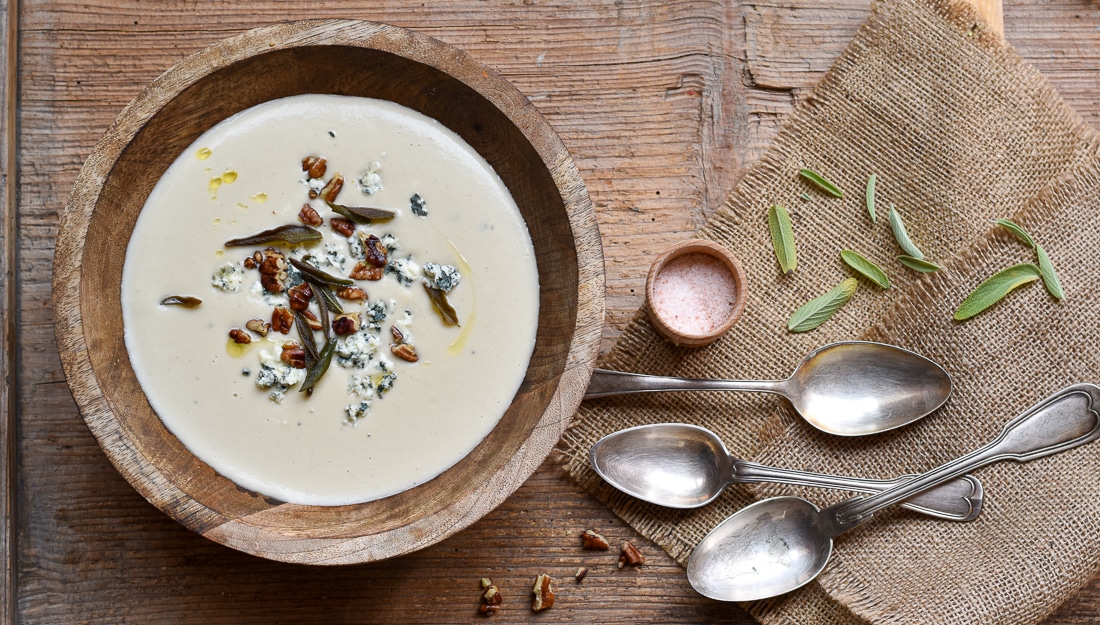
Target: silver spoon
x: 777, y: 545
x: 848, y: 389
x: 685, y: 466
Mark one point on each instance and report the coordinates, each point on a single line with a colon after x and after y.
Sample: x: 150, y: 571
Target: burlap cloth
x: 960, y: 130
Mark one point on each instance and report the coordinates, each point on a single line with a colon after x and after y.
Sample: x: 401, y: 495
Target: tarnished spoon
x: 848, y: 389
x: 685, y: 466
x: 777, y: 545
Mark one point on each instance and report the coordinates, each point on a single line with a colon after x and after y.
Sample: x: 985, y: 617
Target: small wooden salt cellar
x: 695, y: 292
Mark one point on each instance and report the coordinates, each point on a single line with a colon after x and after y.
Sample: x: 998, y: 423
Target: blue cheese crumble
x: 417, y: 203
x: 442, y: 277
x: 369, y: 181
x: 355, y: 412
x: 404, y: 269
x: 228, y: 278
x: 276, y: 375
x: 355, y: 351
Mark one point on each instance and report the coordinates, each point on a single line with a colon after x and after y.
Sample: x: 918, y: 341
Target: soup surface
x: 406, y: 395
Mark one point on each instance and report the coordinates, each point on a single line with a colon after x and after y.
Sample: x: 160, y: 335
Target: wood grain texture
x: 8, y: 303
x: 663, y: 106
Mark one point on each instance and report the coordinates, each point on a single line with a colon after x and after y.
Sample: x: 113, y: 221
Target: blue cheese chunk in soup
x: 405, y: 396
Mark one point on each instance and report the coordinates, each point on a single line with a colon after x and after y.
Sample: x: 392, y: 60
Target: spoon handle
x: 606, y: 383
x: 955, y: 500
x: 1063, y: 421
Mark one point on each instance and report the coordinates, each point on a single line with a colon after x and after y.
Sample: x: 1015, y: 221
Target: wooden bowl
x: 349, y: 58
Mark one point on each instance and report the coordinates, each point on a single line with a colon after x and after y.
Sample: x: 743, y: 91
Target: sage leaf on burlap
x: 995, y: 288
x: 1046, y: 271
x: 818, y: 310
x: 902, y: 237
x: 918, y: 264
x: 865, y: 267
x: 821, y: 181
x: 1017, y: 230
x: 779, y: 225
x: 871, y: 197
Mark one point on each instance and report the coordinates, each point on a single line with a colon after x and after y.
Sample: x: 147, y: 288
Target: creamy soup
x: 406, y: 395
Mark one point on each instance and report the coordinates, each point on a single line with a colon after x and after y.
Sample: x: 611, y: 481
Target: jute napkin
x: 960, y: 131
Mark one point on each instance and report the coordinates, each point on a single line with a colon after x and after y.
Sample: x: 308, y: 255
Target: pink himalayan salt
x: 694, y: 294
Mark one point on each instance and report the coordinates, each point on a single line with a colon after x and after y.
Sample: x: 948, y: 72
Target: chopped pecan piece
x: 345, y: 324
x: 294, y: 355
x: 376, y: 252
x: 299, y: 296
x: 314, y: 166
x: 344, y: 227
x: 491, y: 600
x: 363, y: 271
x: 592, y: 541
x: 332, y: 188
x: 259, y: 326
x: 312, y: 321
x: 309, y: 216
x: 581, y: 573
x: 273, y: 271
x: 404, y: 351
x: 239, y: 336
x: 544, y: 594
x: 249, y: 263
x: 630, y: 555
x: 282, y: 320
x: 398, y: 335
x: 352, y: 293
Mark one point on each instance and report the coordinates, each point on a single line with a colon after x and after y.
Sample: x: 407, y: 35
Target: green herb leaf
x: 918, y: 264
x: 1017, y: 230
x: 805, y: 197
x: 902, y: 237
x: 869, y: 270
x: 318, y: 275
x: 306, y: 334
x: 871, y: 197
x: 820, y: 181
x: 329, y: 302
x: 361, y: 214
x: 291, y: 234
x: 995, y: 288
x: 1046, y: 271
x: 186, y: 301
x: 318, y: 367
x: 818, y: 310
x: 442, y: 306
x: 779, y: 225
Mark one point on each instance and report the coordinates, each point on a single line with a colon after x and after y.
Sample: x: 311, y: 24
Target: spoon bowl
x: 861, y: 388
x: 768, y: 548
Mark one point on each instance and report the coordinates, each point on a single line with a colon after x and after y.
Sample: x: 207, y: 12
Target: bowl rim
x: 238, y: 533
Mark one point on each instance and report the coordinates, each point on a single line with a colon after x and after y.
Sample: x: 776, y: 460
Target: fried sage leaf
x: 818, y: 310
x: 329, y: 301
x: 918, y: 264
x: 361, y: 214
x: 1017, y: 230
x: 317, y: 275
x: 306, y: 334
x: 869, y: 270
x: 186, y: 301
x: 317, y: 368
x: 995, y: 288
x: 442, y: 306
x: 1046, y: 271
x: 871, y: 197
x: 820, y: 181
x: 291, y: 234
x: 902, y: 237
x: 779, y: 225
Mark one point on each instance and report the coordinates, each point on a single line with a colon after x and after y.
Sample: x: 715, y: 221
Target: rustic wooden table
x: 663, y: 104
